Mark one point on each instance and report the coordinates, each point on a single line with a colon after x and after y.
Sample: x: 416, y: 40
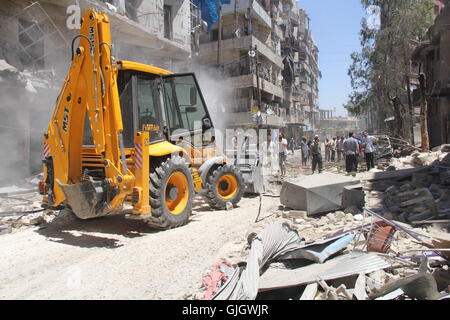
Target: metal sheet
x: 339, y: 267
x: 320, y: 251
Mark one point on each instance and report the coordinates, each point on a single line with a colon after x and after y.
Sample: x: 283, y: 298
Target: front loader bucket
x: 84, y: 199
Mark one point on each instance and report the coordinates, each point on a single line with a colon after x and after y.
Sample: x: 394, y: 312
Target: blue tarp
x: 209, y: 10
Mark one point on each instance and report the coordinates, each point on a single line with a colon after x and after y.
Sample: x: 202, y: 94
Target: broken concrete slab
x: 421, y: 286
x: 360, y: 288
x: 310, y: 292
x: 5, y: 229
x: 316, y: 194
x: 353, y: 196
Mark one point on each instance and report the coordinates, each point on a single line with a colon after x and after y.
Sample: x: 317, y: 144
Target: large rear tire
x: 224, y: 184
x: 171, y: 193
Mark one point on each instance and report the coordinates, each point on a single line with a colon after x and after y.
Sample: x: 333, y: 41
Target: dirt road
x: 115, y: 258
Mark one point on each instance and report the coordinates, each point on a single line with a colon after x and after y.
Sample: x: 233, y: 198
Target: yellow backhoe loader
x: 121, y: 139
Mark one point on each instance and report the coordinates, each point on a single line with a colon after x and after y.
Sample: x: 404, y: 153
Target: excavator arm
x: 89, y: 96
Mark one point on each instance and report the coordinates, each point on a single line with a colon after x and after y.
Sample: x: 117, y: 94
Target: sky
x: 335, y: 25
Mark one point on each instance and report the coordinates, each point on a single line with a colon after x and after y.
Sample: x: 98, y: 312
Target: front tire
x: 171, y: 193
x: 224, y: 184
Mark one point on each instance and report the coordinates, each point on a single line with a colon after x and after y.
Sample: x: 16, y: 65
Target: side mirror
x: 206, y: 122
x: 193, y: 100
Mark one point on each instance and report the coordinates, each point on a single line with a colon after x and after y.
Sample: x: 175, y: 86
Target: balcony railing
x: 257, y: 10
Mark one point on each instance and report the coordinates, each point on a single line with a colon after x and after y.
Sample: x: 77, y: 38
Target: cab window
x: 148, y: 114
x: 184, y: 105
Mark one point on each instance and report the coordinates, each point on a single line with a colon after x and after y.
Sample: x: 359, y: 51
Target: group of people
x: 354, y: 147
x: 340, y: 148
x: 269, y: 151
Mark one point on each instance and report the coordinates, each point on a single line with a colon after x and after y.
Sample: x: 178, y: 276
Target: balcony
x: 210, y: 49
x: 257, y: 10
x: 249, y: 81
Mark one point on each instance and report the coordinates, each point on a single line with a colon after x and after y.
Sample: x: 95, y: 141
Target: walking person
x: 340, y: 148
x: 283, y: 148
x: 368, y: 142
x: 333, y: 150
x: 268, y: 148
x: 316, y: 155
x: 292, y: 145
x: 351, y: 149
x: 327, y: 150
x: 309, y: 149
x: 305, y: 151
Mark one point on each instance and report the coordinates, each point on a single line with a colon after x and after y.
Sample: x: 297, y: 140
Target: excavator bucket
x: 85, y: 199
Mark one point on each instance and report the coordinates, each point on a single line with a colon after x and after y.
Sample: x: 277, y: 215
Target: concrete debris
x: 315, y: 194
x: 20, y: 206
x: 310, y: 292
x: 421, y: 286
x: 4, y: 229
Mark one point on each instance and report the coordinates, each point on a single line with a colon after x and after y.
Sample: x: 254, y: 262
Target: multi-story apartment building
x: 35, y: 41
x: 267, y: 50
x: 301, y: 72
x: 257, y: 39
x: 250, y: 57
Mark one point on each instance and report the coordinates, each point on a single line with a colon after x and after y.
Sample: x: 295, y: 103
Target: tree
x: 380, y: 73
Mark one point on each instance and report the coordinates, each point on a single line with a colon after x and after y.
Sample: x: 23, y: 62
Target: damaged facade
x: 35, y: 42
x: 301, y: 72
x: 271, y: 39
x: 432, y: 58
x: 268, y: 38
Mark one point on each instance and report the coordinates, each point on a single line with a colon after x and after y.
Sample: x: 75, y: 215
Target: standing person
x: 305, y: 151
x: 316, y: 155
x: 292, y: 145
x: 333, y: 149
x: 268, y: 154
x: 309, y: 149
x: 339, y: 143
x: 342, y: 148
x: 351, y: 148
x: 368, y: 142
x: 327, y: 150
x: 282, y: 145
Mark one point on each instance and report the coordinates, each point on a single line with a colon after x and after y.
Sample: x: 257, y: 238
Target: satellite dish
x: 252, y: 54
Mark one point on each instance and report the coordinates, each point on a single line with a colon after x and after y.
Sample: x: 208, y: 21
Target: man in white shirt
x: 282, y: 145
x: 268, y: 149
x: 368, y: 142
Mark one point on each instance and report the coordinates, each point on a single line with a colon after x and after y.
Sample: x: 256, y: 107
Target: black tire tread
x: 214, y: 200
x: 157, y: 197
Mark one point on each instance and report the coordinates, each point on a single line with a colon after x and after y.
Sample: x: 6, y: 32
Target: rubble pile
x: 20, y: 206
x: 330, y: 258
x: 414, y: 196
x: 384, y: 250
x: 418, y: 159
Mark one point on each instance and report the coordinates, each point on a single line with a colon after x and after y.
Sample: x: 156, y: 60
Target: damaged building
x: 264, y: 54
x: 301, y: 72
x: 432, y: 58
x: 267, y: 51
x: 35, y: 40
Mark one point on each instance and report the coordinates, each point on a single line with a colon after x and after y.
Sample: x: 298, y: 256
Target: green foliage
x: 379, y: 71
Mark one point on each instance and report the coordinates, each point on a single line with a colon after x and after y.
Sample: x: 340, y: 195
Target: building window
x: 30, y: 40
x: 168, y: 22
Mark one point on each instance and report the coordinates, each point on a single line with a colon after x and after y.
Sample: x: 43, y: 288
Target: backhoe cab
x: 124, y: 137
